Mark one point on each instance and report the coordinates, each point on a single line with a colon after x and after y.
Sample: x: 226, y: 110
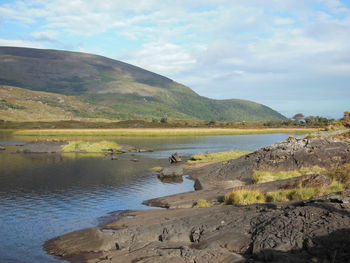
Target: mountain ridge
x: 129, y: 92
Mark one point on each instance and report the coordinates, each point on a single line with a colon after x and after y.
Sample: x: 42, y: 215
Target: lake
x: 46, y: 195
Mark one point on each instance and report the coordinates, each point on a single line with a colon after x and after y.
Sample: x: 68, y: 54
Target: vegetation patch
x: 156, y: 169
x: 215, y: 157
x: 245, y: 197
x: 5, y: 105
x: 340, y: 176
x: 268, y: 176
x: 151, y: 132
x: 201, y: 203
x: 89, y: 147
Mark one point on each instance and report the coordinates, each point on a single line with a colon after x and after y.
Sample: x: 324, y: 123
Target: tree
x: 298, y: 117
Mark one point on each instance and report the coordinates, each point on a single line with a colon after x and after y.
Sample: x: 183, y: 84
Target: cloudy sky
x: 292, y: 55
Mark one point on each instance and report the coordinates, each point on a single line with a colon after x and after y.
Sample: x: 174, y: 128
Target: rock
x: 171, y: 171
x: 2, y: 148
x: 53, y: 146
x: 291, y: 154
x: 298, y: 232
x: 144, y: 150
x: 175, y: 158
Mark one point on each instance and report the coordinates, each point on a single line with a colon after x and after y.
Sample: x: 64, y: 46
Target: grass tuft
x: 201, y: 203
x: 89, y: 147
x: 268, y: 176
x: 245, y: 197
x: 156, y: 169
x: 215, y: 157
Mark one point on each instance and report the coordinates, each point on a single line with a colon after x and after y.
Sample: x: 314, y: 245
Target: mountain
x: 114, y: 89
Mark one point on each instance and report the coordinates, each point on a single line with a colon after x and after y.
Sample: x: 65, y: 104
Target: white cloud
x: 19, y: 43
x: 283, y: 21
x: 161, y: 57
x: 237, y: 48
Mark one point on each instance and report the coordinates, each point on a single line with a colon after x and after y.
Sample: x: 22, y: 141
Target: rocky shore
x: 315, y: 230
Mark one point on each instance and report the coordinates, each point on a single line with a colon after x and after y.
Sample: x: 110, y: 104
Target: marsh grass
x: 215, y: 157
x: 155, y: 131
x: 201, y: 203
x: 89, y: 147
x: 269, y: 176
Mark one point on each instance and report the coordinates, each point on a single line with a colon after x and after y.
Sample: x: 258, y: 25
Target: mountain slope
x: 17, y: 104
x: 128, y: 92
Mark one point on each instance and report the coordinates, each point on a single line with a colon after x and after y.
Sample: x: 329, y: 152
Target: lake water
x: 46, y: 195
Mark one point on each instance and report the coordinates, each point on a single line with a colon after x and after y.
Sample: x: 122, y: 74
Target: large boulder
x: 171, y: 171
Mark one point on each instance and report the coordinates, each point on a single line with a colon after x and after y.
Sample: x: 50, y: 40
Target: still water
x: 46, y: 195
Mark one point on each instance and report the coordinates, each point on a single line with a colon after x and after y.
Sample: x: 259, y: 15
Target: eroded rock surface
x: 290, y: 154
x: 293, y: 232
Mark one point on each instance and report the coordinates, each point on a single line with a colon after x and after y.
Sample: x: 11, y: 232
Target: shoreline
x: 229, y: 233
x: 154, y: 131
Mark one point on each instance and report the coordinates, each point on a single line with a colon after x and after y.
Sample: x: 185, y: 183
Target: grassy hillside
x: 17, y: 104
x: 117, y: 90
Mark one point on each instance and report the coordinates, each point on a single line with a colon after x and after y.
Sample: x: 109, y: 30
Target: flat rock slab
x: 42, y: 147
x: 293, y: 232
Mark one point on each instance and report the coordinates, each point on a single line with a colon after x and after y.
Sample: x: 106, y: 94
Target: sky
x: 291, y: 55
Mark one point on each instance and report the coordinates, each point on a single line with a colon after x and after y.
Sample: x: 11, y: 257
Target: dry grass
x: 156, y: 169
x: 215, y: 157
x: 268, y: 176
x: 154, y: 131
x: 89, y: 147
x: 245, y: 197
x: 201, y: 203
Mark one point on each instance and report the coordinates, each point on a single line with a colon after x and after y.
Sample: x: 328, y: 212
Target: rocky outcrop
x: 171, y: 172
x: 188, y: 199
x: 42, y: 147
x: 291, y: 154
x: 294, y: 232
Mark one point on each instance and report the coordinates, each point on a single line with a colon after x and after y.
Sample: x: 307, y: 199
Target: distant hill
x: 99, y: 87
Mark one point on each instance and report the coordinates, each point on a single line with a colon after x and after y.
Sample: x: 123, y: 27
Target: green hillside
x: 117, y: 90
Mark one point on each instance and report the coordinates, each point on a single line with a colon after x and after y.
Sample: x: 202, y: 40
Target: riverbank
x: 293, y: 231
x: 154, y: 131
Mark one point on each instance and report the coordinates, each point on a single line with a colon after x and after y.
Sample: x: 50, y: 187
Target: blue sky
x: 292, y: 55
